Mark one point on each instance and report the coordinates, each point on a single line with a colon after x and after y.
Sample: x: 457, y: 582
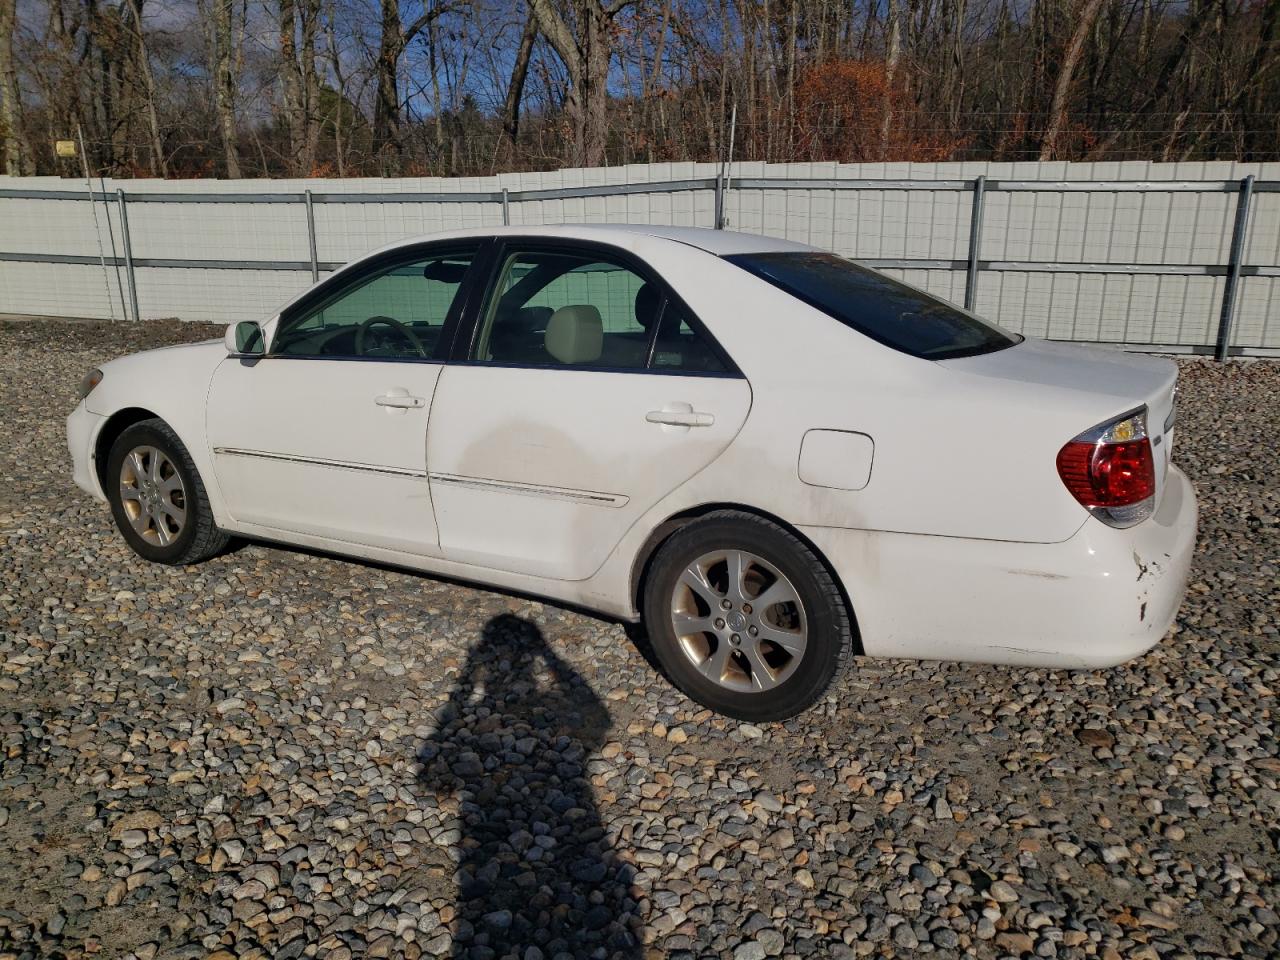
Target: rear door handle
x: 400, y: 398
x: 680, y: 417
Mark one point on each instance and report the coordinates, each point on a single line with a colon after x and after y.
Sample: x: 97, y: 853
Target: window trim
x: 344, y: 282
x: 502, y: 249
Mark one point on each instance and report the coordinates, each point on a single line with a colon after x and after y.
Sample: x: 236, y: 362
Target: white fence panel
x: 1151, y: 242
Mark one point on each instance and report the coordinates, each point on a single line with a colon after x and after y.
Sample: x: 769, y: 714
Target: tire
x: 723, y: 653
x: 164, y: 518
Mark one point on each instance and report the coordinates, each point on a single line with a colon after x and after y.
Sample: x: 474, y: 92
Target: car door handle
x: 400, y: 400
x: 680, y: 418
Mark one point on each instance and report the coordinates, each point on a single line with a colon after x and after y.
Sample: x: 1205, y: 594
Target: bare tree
x: 893, y: 51
x: 16, y: 157
x: 394, y: 38
x: 586, y: 54
x: 299, y: 22
x: 496, y: 85
x: 160, y: 164
x: 519, y: 73
x: 222, y: 49
x: 1066, y: 74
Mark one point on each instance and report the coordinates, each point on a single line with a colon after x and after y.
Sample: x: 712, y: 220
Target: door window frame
x: 485, y: 288
x: 345, y: 281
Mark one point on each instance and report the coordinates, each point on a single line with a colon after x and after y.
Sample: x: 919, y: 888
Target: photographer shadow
x: 536, y: 868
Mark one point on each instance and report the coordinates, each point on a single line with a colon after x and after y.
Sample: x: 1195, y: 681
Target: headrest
x: 646, y: 308
x: 575, y: 334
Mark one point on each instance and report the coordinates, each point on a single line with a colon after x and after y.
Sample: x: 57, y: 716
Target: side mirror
x: 245, y: 339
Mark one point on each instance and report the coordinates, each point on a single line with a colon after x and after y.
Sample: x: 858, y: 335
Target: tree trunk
x: 893, y: 50
x: 1062, y: 90
x: 655, y: 76
x: 224, y: 85
x: 339, y: 145
x: 586, y: 57
x: 955, y: 71
x: 793, y: 25
x: 437, y: 101
x: 16, y: 157
x: 596, y: 120
x: 159, y: 165
x: 98, y: 113
x: 291, y: 85
x: 310, y: 87
x: 386, y: 110
x: 519, y: 73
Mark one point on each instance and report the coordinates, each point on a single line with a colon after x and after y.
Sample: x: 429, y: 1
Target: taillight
x: 1111, y: 471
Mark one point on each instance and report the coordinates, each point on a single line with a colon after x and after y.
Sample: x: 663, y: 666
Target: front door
x: 326, y: 435
x: 587, y: 393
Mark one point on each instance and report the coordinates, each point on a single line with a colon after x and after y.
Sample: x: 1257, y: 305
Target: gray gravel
x: 278, y: 754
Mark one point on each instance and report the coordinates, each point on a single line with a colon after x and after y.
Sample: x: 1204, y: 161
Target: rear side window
x: 566, y: 307
x: 894, y: 313
x: 678, y: 346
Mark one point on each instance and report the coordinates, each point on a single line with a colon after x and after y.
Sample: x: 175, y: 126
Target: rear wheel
x: 157, y: 498
x: 744, y: 617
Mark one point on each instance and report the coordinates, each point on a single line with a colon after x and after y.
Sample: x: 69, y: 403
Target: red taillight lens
x: 1111, y: 471
x: 1108, y: 474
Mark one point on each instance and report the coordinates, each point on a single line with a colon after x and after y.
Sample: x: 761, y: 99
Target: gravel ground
x: 279, y: 754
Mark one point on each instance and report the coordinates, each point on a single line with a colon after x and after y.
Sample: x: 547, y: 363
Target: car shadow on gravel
x: 535, y: 867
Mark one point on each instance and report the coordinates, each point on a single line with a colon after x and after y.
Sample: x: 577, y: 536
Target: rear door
x: 585, y: 392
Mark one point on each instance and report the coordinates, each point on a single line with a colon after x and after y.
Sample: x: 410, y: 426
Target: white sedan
x: 773, y: 456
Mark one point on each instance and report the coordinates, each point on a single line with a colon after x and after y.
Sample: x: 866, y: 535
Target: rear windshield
x: 896, y: 314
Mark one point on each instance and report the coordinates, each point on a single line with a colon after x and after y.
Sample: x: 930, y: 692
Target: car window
x: 894, y: 313
x: 396, y: 313
x: 554, y: 308
x: 679, y: 347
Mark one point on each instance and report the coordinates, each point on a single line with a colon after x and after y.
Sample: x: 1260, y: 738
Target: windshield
x: 894, y: 313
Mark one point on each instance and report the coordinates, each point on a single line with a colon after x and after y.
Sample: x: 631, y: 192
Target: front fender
x: 171, y: 383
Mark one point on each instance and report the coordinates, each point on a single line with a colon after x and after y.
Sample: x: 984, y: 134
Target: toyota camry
x: 772, y: 456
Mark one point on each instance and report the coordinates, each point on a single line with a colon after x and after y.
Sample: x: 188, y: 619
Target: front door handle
x: 680, y: 415
x: 400, y: 399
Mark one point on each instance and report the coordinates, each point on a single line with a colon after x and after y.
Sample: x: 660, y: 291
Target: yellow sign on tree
x: 64, y: 148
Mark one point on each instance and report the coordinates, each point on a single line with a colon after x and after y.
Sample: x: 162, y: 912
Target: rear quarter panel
x: 955, y: 454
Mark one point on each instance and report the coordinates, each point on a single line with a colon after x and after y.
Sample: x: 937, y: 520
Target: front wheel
x: 157, y: 497
x: 744, y: 617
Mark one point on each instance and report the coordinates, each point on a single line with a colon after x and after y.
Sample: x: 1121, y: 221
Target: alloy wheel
x: 739, y: 620
x: 153, y: 495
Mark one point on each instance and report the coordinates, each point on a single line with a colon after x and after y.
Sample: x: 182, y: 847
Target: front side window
x: 894, y: 313
x: 396, y: 313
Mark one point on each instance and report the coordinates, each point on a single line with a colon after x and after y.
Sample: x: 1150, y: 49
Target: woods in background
x: 231, y: 88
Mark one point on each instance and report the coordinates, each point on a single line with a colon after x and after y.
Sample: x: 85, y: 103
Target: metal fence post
x: 506, y: 209
x: 975, y: 243
x: 128, y: 255
x: 311, y: 237
x: 1233, y: 268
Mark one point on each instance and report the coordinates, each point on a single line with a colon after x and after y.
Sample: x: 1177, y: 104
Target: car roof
x: 717, y: 242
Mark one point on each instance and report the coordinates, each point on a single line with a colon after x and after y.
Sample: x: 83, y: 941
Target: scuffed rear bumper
x: 1100, y: 598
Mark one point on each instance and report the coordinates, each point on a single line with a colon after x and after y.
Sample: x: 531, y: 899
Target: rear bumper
x: 82, y: 437
x: 1100, y: 598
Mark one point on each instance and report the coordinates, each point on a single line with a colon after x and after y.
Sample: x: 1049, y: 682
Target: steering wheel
x: 396, y: 325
